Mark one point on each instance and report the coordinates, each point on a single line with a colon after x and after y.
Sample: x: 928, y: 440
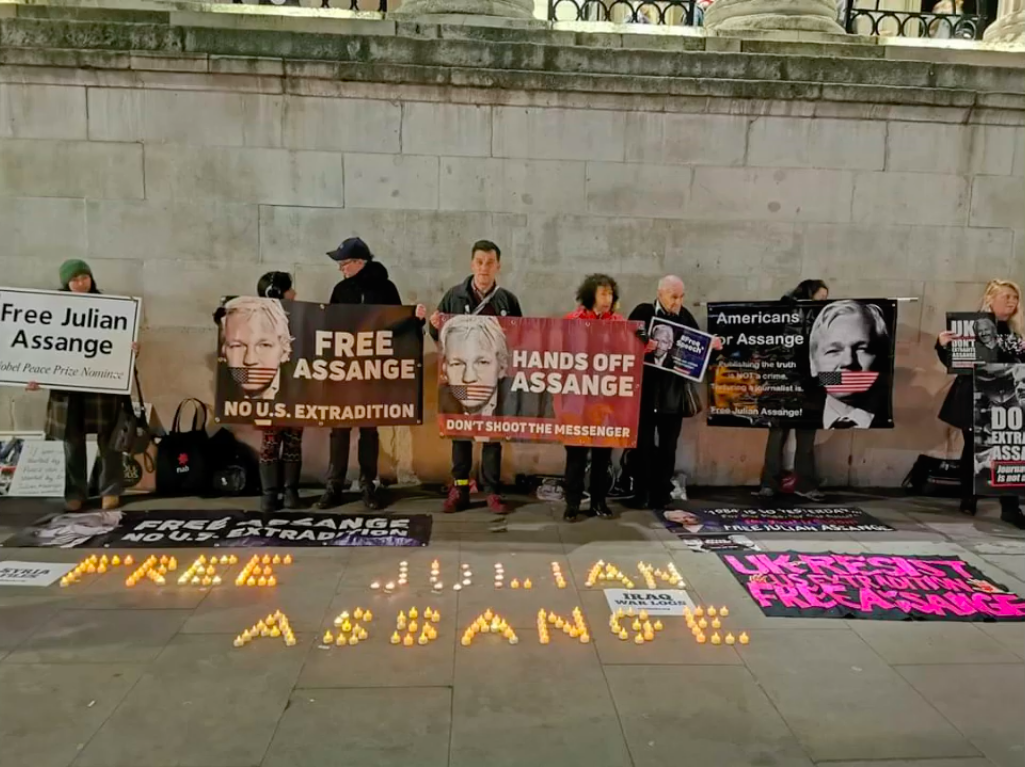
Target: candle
x: 744, y: 638
x: 730, y: 639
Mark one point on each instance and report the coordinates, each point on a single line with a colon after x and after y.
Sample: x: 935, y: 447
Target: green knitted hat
x: 73, y: 268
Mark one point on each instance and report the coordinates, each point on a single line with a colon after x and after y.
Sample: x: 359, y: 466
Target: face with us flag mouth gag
x: 475, y: 357
x: 256, y: 343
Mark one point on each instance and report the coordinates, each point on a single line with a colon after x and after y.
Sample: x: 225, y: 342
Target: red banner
x: 574, y: 382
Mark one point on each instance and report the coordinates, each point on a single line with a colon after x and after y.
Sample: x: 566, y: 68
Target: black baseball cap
x: 352, y: 248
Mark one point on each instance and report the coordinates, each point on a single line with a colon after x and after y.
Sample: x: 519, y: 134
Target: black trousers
x: 657, y: 462
x: 576, y: 466
x: 369, y: 444
x: 490, y: 464
x: 1008, y: 503
x: 804, y: 460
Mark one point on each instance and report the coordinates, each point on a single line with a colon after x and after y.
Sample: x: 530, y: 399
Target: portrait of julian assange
x: 849, y: 355
x: 475, y: 372
x: 255, y: 344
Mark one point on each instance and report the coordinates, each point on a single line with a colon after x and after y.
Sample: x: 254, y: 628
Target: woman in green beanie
x: 71, y: 415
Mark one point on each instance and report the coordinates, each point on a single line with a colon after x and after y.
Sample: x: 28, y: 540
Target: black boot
x: 270, y: 483
x: 292, y: 472
x: 1010, y: 512
x: 371, y: 495
x: 572, y: 512
x: 969, y: 506
x: 600, y: 509
x: 332, y: 497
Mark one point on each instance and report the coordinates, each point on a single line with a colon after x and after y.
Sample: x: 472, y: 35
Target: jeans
x: 657, y: 464
x: 76, y: 463
x: 804, y: 460
x: 490, y: 463
x: 366, y: 455
x: 576, y: 466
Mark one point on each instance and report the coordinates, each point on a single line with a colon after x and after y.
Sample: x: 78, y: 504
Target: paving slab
x: 844, y: 702
x: 937, y: 642
x: 21, y: 615
x: 202, y: 703
x: 986, y: 703
x: 1010, y: 635
x: 532, y: 704
x: 50, y: 711
x: 383, y: 728
x: 368, y: 564
x: 100, y: 636
x: 700, y: 715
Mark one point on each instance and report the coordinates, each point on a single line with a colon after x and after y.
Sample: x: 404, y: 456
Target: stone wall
x: 182, y: 175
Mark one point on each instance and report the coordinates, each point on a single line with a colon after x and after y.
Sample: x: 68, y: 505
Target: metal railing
x: 666, y: 13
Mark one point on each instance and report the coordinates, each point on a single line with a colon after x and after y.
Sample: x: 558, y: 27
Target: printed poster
x: 244, y: 529
x: 13, y: 573
x: 999, y: 394
x: 976, y: 341
x: 792, y: 584
x: 574, y: 382
x: 687, y: 518
x: 33, y: 467
x: 807, y: 364
x: 679, y: 349
x: 654, y: 601
x: 291, y: 363
x: 71, y: 341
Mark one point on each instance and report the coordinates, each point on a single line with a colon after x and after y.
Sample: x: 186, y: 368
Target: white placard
x: 32, y: 573
x: 40, y: 470
x: 64, y: 340
x: 655, y: 601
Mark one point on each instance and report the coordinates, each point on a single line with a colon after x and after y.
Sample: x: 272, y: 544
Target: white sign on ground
x: 32, y: 573
x: 655, y: 601
x: 72, y: 341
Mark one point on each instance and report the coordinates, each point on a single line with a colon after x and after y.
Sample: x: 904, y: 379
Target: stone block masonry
x: 184, y: 154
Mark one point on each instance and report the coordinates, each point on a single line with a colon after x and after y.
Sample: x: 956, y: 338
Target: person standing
x: 71, y: 415
x: 1002, y: 299
x: 597, y: 299
x: 478, y: 294
x: 365, y: 281
x: 666, y: 399
x: 806, y: 481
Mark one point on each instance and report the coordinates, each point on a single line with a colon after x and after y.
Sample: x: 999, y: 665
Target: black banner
x: 687, y: 518
x: 245, y: 529
x: 999, y: 430
x: 976, y: 340
x: 793, y: 584
x: 290, y: 363
x: 807, y: 364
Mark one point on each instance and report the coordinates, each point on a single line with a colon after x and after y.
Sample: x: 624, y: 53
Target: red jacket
x: 580, y: 313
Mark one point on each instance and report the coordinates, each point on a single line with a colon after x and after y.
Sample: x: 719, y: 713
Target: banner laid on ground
x: 792, y: 584
x: 574, y: 382
x: 687, y: 518
x: 721, y: 543
x: 807, y: 364
x: 235, y: 528
x: 976, y: 340
x: 64, y: 340
x: 678, y: 349
x: 999, y: 429
x: 290, y: 363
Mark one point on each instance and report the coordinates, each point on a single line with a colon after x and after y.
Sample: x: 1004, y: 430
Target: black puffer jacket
x: 662, y: 391
x: 958, y: 408
x: 370, y: 285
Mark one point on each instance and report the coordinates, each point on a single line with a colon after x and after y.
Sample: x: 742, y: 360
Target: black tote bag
x: 184, y: 463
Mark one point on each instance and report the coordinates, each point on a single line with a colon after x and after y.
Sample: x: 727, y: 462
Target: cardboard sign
x: 14, y: 573
x: 70, y: 341
x: 655, y: 601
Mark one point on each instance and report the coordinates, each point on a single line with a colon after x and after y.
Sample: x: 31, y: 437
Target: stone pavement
x: 101, y: 676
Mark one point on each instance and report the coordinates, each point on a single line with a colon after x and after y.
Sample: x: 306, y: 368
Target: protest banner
x: 807, y: 364
x: 70, y: 341
x: 678, y: 349
x: 792, y: 584
x: 14, y: 573
x: 162, y: 528
x: 291, y: 363
x: 688, y: 518
x: 976, y: 341
x: 999, y: 412
x: 573, y: 382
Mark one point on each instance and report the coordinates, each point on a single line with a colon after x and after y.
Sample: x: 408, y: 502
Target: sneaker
x: 458, y: 499
x: 601, y: 509
x: 812, y: 495
x: 496, y: 505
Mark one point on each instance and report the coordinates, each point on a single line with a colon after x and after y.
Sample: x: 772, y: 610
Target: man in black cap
x: 366, y: 282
